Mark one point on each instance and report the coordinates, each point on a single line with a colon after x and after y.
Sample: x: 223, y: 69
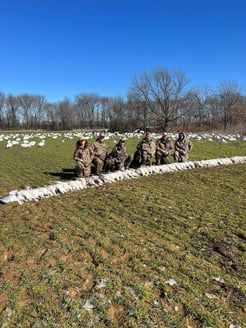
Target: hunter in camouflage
x: 119, y: 159
x: 182, y: 148
x: 145, y: 151
x: 83, y: 156
x: 100, y: 150
x: 164, y: 147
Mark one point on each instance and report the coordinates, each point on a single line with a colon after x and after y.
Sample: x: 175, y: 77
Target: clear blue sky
x: 61, y: 48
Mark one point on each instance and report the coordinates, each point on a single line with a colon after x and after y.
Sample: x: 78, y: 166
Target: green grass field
x: 166, y: 250
x: 39, y: 166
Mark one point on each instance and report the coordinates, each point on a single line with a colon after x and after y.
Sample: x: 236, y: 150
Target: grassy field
x: 39, y: 166
x: 166, y: 250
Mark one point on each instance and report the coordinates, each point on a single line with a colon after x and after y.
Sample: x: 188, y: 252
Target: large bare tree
x: 163, y: 92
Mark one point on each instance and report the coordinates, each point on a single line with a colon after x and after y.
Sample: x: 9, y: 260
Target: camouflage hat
x: 101, y: 135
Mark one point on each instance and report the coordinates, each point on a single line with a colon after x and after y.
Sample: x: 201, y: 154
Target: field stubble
x: 158, y: 251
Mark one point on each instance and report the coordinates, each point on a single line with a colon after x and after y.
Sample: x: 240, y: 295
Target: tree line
x: 160, y: 98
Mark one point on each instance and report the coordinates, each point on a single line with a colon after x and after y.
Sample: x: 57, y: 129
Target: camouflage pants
x: 178, y: 157
x: 140, y: 159
x: 110, y: 164
x: 99, y: 164
x: 128, y: 162
x: 82, y: 171
x: 146, y: 159
x: 161, y: 158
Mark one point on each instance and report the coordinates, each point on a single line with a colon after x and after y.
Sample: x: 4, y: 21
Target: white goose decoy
x: 9, y: 144
x: 41, y: 143
x: 11, y: 197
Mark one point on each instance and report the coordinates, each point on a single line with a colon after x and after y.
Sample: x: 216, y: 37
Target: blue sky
x: 61, y: 48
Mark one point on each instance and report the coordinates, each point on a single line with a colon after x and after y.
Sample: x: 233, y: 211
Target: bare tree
x: 26, y: 104
x: 88, y: 107
x: 239, y: 113
x: 105, y: 112
x: 163, y: 92
x: 32, y: 110
x: 214, y: 111
x: 117, y: 114
x: 80, y: 111
x: 51, y: 116
x: 38, y: 114
x: 230, y: 97
x: 65, y: 113
x: 2, y: 104
x: 200, y: 112
x: 139, y: 113
x: 12, y: 112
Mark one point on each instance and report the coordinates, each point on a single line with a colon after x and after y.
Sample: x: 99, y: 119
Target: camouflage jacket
x: 119, y: 152
x: 83, y: 156
x: 146, y: 146
x: 183, y: 146
x: 164, y: 146
x: 100, y: 149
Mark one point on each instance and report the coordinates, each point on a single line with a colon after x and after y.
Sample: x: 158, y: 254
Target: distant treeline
x: 160, y: 99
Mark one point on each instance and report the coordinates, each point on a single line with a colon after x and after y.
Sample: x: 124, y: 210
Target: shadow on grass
x: 66, y: 174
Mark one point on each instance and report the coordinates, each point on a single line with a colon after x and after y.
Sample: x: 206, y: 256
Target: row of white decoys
x: 57, y: 188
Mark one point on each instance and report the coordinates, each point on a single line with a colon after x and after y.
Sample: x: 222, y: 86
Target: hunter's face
x: 148, y: 136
